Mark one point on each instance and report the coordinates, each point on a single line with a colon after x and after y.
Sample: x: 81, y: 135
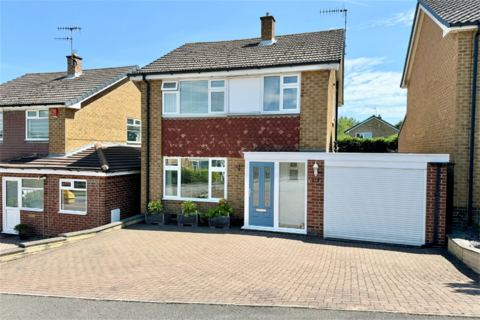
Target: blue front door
x: 261, y: 194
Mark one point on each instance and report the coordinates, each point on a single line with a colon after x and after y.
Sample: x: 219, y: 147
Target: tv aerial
x: 336, y: 11
x: 73, y: 29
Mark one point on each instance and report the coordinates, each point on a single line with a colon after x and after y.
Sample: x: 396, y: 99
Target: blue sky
x: 119, y: 33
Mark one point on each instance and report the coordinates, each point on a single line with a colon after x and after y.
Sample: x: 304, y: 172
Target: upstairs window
x: 280, y: 94
x: 363, y: 135
x: 37, y: 124
x: 134, y: 130
x: 194, y: 97
x: 1, y: 125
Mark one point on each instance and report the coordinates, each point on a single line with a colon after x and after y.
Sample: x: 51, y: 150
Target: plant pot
x: 161, y: 219
x: 23, y: 236
x: 191, y: 220
x: 220, y: 222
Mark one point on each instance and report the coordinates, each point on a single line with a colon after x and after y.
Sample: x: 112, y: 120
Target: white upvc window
x: 73, y: 196
x: 36, y: 124
x: 1, y: 125
x: 134, y: 130
x: 197, y: 179
x: 363, y: 135
x: 281, y: 93
x: 32, y: 194
x: 191, y: 97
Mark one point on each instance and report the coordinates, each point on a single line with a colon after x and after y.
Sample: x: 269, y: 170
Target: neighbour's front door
x: 11, y: 204
x: 261, y: 194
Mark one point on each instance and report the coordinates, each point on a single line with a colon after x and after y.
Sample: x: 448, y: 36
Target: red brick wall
x: 229, y: 137
x: 315, y: 196
x: 442, y: 204
x: 103, y: 195
x: 14, y: 144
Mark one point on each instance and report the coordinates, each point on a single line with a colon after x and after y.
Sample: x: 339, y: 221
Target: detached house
x: 372, y: 127
x: 69, y: 149
x: 441, y: 75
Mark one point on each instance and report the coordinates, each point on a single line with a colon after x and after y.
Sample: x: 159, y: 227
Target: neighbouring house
x: 441, y: 75
x: 69, y: 149
x: 254, y: 121
x: 372, y: 127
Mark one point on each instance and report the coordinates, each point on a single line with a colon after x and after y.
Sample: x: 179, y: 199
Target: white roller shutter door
x: 375, y: 204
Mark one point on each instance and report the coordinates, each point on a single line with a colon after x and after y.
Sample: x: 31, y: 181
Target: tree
x: 399, y: 124
x: 345, y: 123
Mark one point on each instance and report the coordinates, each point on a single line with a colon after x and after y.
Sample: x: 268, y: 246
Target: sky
x: 123, y: 33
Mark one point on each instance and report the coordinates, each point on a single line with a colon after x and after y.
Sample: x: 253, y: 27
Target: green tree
x: 345, y: 123
x: 399, y: 124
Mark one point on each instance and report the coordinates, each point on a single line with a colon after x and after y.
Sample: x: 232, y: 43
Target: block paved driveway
x: 169, y: 263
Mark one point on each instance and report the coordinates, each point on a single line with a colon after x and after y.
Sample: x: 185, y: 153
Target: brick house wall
x: 439, y: 108
x: 226, y: 137
x: 430, y: 204
x: 315, y: 197
x: 377, y: 128
x: 13, y: 144
x: 103, y: 195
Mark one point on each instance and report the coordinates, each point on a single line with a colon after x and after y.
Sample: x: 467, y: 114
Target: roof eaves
x: 435, y: 14
x: 409, y: 46
x: 100, y: 87
x: 357, y: 125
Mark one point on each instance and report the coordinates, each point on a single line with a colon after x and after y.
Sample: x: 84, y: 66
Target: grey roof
x: 454, y: 12
x: 55, y: 88
x: 118, y: 158
x: 367, y: 120
x: 289, y: 50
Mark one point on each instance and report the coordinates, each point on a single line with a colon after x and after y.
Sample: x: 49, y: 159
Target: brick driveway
x: 157, y: 263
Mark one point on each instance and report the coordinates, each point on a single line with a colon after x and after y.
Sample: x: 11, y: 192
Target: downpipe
x: 147, y: 166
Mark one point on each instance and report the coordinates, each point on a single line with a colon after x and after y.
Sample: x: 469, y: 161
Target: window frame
x: 170, y: 89
x: 282, y: 87
x: 20, y: 189
x: 135, y: 125
x: 178, y: 168
x: 37, y: 116
x: 363, y: 133
x: 72, y: 188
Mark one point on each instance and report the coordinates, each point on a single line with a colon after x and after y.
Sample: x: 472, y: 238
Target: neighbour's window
x: 363, y: 135
x: 37, y: 124
x: 32, y: 194
x: 280, y: 93
x: 1, y: 125
x: 195, y: 178
x: 73, y: 196
x: 134, y: 130
x: 194, y: 97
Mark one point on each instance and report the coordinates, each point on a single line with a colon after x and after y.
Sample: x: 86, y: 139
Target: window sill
x: 31, y: 209
x: 136, y: 142
x: 36, y: 140
x: 193, y: 199
x: 72, y: 212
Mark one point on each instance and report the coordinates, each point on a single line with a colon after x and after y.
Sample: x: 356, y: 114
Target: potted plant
x: 189, y: 214
x: 24, y: 230
x: 155, y: 213
x: 220, y: 217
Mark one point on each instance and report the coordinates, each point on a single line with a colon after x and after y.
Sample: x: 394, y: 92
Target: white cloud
x: 403, y: 18
x: 367, y: 88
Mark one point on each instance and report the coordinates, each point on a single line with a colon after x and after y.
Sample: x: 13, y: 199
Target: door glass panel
x: 256, y: 182
x: 292, y: 195
x: 267, y: 186
x: 12, y: 193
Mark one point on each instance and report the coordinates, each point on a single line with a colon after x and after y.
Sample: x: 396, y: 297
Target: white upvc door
x: 11, y: 204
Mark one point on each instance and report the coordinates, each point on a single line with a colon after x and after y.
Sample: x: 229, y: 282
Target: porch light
x: 43, y: 177
x: 315, y: 169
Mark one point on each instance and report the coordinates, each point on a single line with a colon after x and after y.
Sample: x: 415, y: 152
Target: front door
x: 11, y: 204
x: 261, y: 194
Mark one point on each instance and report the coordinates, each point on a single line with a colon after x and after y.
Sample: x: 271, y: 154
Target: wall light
x: 43, y: 177
x: 315, y: 169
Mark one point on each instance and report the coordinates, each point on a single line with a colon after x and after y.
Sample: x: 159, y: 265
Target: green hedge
x: 375, y: 145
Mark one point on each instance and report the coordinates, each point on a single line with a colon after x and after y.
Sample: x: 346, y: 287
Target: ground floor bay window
x: 276, y: 195
x: 198, y: 179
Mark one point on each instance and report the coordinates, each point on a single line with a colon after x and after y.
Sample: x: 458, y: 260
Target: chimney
x: 268, y: 30
x: 379, y: 116
x: 74, y: 65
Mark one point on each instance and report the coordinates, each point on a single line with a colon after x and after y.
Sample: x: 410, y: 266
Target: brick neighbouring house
x: 47, y: 120
x: 438, y: 74
x: 372, y: 127
x: 254, y: 121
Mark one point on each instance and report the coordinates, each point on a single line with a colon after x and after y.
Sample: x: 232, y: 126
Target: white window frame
x: 363, y: 135
x: 217, y: 89
x: 72, y: 181
x: 30, y: 188
x: 282, y: 87
x: 37, y: 116
x: 1, y: 120
x: 178, y: 168
x: 135, y: 125
x: 169, y: 89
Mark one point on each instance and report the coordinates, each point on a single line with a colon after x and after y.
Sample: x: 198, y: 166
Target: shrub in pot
x: 24, y: 230
x: 220, y: 217
x: 155, y: 213
x: 189, y: 214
